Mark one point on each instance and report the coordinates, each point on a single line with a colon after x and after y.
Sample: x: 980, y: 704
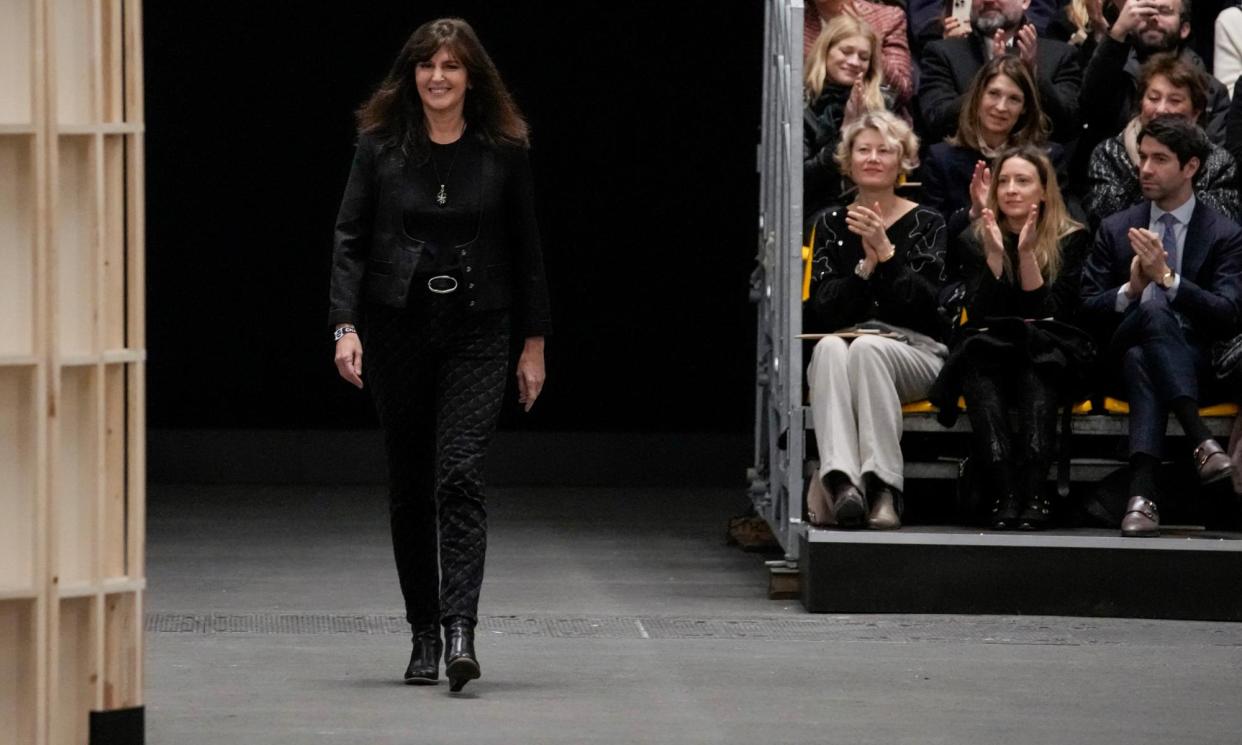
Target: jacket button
x: 471, y: 303
x: 470, y: 286
x: 467, y: 270
x: 463, y: 252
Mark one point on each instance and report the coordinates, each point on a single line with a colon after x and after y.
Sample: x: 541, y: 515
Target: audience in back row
x: 1167, y: 84
x: 999, y: 262
x: 998, y: 27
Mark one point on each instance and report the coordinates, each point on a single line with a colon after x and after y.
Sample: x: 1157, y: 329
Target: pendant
x: 442, y: 198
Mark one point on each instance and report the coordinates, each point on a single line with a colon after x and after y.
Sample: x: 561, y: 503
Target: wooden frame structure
x: 72, y: 370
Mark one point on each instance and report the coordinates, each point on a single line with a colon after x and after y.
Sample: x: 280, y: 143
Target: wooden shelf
x: 18, y: 360
x: 74, y: 46
x: 77, y: 671
x: 8, y: 594
x: 72, y: 378
x: 75, y: 245
x: 17, y: 244
x: 19, y: 657
x: 107, y: 128
x: 76, y: 485
x: 17, y: 53
x: 19, y: 462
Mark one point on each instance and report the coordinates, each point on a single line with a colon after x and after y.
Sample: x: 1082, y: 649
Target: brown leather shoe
x: 1212, y: 462
x: 1141, y: 518
x: 885, y: 508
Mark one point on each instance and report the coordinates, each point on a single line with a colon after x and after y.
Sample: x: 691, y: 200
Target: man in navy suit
x: 997, y: 27
x: 1165, y: 278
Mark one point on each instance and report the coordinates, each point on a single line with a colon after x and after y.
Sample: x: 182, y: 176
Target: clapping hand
x: 856, y: 104
x: 993, y: 243
x: 980, y: 182
x: 1028, y: 46
x: 1149, y: 250
x: 1026, y: 238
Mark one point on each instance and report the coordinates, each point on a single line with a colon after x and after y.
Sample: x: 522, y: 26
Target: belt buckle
x: 442, y: 284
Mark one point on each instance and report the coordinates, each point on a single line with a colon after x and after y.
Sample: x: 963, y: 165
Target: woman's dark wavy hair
x: 395, y: 112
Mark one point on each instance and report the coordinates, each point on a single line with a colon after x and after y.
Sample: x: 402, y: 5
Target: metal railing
x: 776, y: 285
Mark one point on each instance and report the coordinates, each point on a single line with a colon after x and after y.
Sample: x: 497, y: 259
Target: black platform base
x: 1194, y: 575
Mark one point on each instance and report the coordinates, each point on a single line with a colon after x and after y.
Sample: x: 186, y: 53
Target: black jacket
x: 374, y: 259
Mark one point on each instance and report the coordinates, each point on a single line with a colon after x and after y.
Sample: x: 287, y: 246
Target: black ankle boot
x: 460, y: 663
x: 424, y: 667
x: 1036, y: 513
x: 1005, y: 512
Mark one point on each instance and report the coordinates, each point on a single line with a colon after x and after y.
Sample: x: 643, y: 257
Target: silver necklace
x: 442, y: 195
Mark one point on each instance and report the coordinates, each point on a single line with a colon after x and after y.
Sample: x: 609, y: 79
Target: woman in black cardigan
x: 876, y: 271
x: 436, y: 263
x: 1023, y: 269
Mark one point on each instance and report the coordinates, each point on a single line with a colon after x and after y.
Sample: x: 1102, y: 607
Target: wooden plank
x: 19, y: 660
x: 112, y: 540
x: 135, y: 240
x: 18, y: 429
x: 75, y: 241
x: 17, y: 62
x: 72, y: 54
x: 134, y: 111
x: 18, y: 190
x: 112, y: 241
x: 112, y: 36
x: 76, y: 672
x: 122, y: 653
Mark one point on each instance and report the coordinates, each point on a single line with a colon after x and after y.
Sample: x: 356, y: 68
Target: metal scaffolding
x: 776, y: 479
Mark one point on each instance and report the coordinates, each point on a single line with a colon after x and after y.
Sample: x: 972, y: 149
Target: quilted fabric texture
x: 437, y: 373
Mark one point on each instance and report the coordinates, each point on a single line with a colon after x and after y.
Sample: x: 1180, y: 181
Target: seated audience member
x: 842, y: 81
x: 1025, y: 262
x: 1001, y: 111
x: 1081, y: 24
x: 1233, y: 129
x: 928, y: 21
x: 888, y: 22
x: 1110, y: 82
x: 1227, y: 47
x: 1167, y: 84
x: 998, y: 27
x: 878, y: 263
x: 1163, y: 282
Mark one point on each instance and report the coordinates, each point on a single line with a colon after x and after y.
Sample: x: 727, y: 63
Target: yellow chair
x: 1117, y: 406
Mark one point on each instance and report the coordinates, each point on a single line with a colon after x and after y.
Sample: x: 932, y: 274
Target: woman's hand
x: 868, y: 224
x: 349, y: 359
x: 980, y: 182
x: 993, y: 243
x: 856, y: 106
x: 530, y: 372
x: 1026, y: 238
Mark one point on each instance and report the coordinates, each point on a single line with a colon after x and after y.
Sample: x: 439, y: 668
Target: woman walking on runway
x: 436, y: 263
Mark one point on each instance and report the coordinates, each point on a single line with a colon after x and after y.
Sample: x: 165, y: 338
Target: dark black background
x: 645, y: 120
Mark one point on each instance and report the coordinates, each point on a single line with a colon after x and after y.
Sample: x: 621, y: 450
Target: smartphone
x: 959, y: 9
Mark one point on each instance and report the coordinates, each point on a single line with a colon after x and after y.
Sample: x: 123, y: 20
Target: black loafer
x: 461, y: 665
x: 424, y: 667
x: 849, y: 506
x: 1005, y: 512
x: 1212, y: 462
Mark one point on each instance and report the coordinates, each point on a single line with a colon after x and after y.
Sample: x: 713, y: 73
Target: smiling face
x: 848, y: 60
x: 441, y: 82
x: 1162, y: 97
x: 1000, y: 107
x: 1018, y: 188
x: 875, y: 163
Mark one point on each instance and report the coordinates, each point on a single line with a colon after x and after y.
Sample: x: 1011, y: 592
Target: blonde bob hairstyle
x: 1054, y: 220
x: 816, y: 68
x: 892, y: 128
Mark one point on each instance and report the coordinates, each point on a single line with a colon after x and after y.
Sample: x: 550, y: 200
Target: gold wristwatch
x: 1166, y: 279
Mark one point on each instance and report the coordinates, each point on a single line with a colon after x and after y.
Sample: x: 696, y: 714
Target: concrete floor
x: 618, y: 616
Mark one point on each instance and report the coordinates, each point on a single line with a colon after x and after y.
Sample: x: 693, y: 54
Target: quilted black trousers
x: 437, y: 373
x: 1015, y: 461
